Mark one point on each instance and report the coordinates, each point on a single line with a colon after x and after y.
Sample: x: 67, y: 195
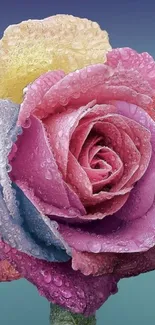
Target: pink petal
x: 133, y: 236
x: 123, y: 145
x: 95, y: 82
x: 72, y: 213
x: 35, y: 93
x: 127, y: 58
x: 134, y: 70
x: 94, y: 263
x: 105, y: 208
x: 60, y: 284
x: 79, y: 180
x: 34, y: 170
x: 127, y: 76
x: 89, y: 149
x: 69, y: 90
x: 77, y: 177
x: 35, y: 165
x: 59, y: 129
x: 141, y: 138
x: 111, y: 159
x: 139, y: 203
x: 122, y: 265
x: 82, y: 131
x: 110, y: 163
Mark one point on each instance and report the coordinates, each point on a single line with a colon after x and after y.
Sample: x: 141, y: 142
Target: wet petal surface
x: 60, y: 284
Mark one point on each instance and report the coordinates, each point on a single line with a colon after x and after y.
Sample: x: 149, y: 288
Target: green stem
x: 61, y: 316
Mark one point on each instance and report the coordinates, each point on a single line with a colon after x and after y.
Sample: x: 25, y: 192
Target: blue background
x: 129, y: 23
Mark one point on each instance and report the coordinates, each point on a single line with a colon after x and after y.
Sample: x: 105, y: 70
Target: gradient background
x: 129, y: 23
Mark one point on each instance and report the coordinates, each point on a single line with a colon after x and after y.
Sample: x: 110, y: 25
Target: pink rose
x: 83, y: 173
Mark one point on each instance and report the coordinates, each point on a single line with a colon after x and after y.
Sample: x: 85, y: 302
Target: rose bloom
x: 77, y: 161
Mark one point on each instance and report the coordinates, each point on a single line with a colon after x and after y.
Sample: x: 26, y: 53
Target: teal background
x: 20, y: 304
x: 129, y: 23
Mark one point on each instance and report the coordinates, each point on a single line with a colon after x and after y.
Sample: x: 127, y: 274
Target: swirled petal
x: 62, y: 285
x: 139, y: 203
x: 33, y: 47
x: 94, y: 82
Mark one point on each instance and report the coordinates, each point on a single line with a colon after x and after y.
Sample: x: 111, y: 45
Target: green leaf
x: 61, y: 316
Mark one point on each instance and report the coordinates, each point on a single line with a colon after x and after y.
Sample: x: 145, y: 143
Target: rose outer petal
x: 134, y: 264
x: 93, y: 82
x: 123, y: 265
x: 134, y: 70
x: 95, y: 264
x: 60, y: 284
x: 128, y: 59
x: 35, y: 171
x: 34, y: 164
x: 35, y: 92
x: 139, y: 203
x: 13, y: 229
x: 132, y: 236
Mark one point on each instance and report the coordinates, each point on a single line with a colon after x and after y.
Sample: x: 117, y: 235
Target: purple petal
x: 60, y: 284
x: 133, y: 236
x: 135, y: 263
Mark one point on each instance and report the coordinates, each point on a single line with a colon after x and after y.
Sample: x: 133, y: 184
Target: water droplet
x: 57, y: 281
x: 66, y: 293
x: 67, y: 284
x: 8, y: 168
x: 72, y: 212
x: 20, y: 130
x: 60, y: 133
x: 80, y: 294
x: 55, y: 294
x: 7, y: 249
x: 27, y: 123
x: 25, y: 90
x: 94, y: 247
x: 48, y: 175
x: 42, y: 164
x: 46, y: 275
x: 100, y: 295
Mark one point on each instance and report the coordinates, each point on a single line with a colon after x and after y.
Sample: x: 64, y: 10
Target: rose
x: 80, y: 171
x: 28, y: 50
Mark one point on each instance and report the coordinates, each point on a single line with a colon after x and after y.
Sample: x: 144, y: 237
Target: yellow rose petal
x: 33, y: 47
